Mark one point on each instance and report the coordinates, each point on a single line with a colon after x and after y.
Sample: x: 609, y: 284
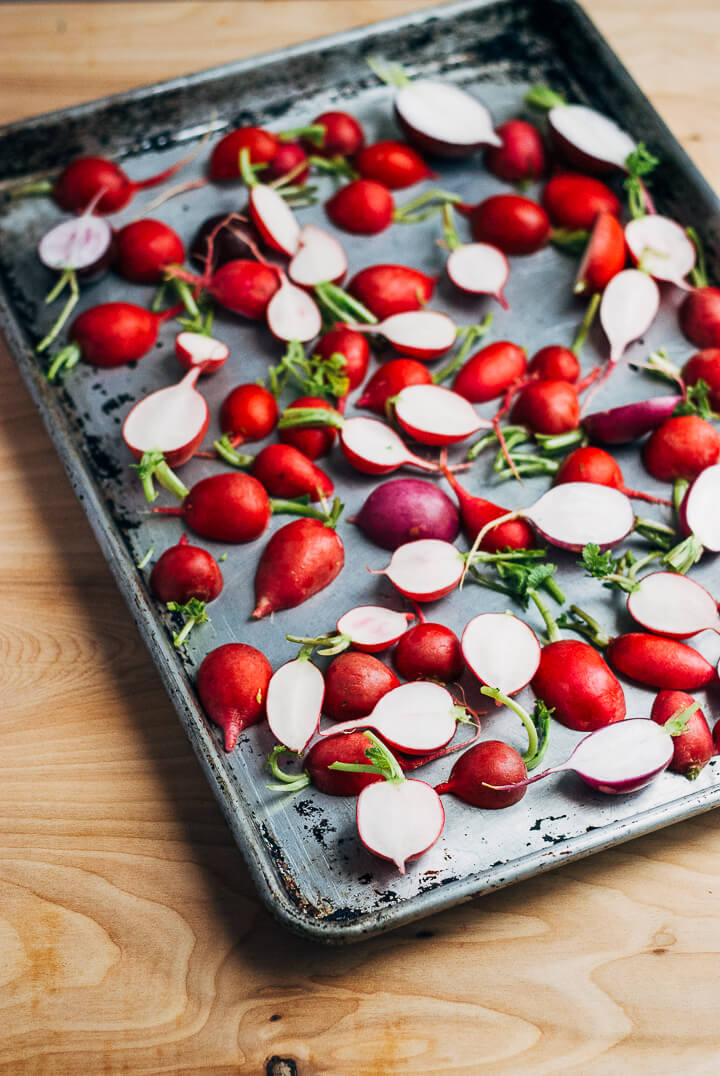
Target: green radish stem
x: 68, y: 277
x: 681, y: 557
x: 341, y: 306
x: 658, y: 534
x: 451, y: 240
x: 194, y: 612
x: 225, y: 449
x: 569, y: 240
x: 315, y: 376
x: 468, y: 335
x: 543, y: 98
x: 334, y: 166
x: 314, y: 132
x: 382, y: 762
x: 537, y: 726
x: 680, y: 488
x: 332, y: 642
x: 391, y: 74
x: 412, y: 212
x: 145, y: 560
x: 290, y: 782
x: 678, y: 723
x: 64, y: 359
x: 41, y: 186
x: 576, y: 619
x: 698, y: 275
x: 153, y: 466
x: 640, y: 162
x: 585, y: 325
x: 310, y: 416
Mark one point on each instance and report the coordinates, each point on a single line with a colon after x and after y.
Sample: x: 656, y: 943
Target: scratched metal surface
x: 302, y: 850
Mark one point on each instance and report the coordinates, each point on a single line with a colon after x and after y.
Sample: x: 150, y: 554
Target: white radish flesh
x: 425, y: 570
x: 574, y: 513
x: 294, y: 701
x: 592, y: 135
x: 622, y: 757
x: 662, y: 248
x: 76, y: 244
x: 671, y: 604
x: 168, y: 421
x: 198, y: 350
x: 292, y: 314
x: 275, y: 219
x: 319, y: 258
x: 421, y: 334
x: 627, y: 309
x: 416, y: 718
x: 372, y: 628
x: 434, y: 415
x: 700, y: 509
x: 372, y: 447
x: 501, y: 650
x: 480, y: 269
x: 444, y: 118
x: 399, y: 821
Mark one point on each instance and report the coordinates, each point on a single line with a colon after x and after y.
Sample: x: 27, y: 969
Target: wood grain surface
x: 131, y: 940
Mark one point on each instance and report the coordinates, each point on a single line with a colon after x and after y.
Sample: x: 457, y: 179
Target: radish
x: 421, y: 334
x: 693, y: 747
x: 661, y: 248
x: 475, y: 268
x: 682, y: 447
x: 292, y: 314
x: 369, y: 628
x: 394, y: 164
x: 285, y: 472
x: 294, y: 700
x: 172, y: 421
x: 698, y: 512
x: 705, y: 366
x: 300, y: 559
x: 352, y: 348
x: 389, y: 379
x: 405, y: 509
x: 345, y: 747
x: 627, y: 309
x: 659, y: 662
x: 414, y: 718
x: 391, y: 289
x: 491, y: 371
x: 501, y: 651
x: 488, y: 776
x: 426, y: 569
x: 429, y: 652
x: 397, y: 819
x: 590, y: 464
x: 509, y: 222
x: 575, y: 201
x: 260, y: 145
x: 186, y: 578
x: 317, y: 259
x: 242, y: 286
x: 232, y: 683
x: 354, y: 684
x: 289, y: 157
x: 576, y: 683
x: 555, y: 363
x: 144, y: 249
x: 520, y: 158
x: 671, y: 604
x: 199, y: 351
x: 699, y: 317
x: 342, y: 135
x: 587, y: 139
x: 547, y: 407
x: 313, y: 440
x: 434, y: 415
x: 230, y: 237
x: 248, y: 413
x: 476, y: 512
x: 604, y: 256
x: 625, y: 423
x: 274, y: 219
x: 363, y: 207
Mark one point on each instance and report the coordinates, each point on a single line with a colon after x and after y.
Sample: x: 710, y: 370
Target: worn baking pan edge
x: 262, y: 869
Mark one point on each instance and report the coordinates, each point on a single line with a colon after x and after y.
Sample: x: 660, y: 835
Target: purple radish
x: 196, y: 350
x: 501, y: 651
x: 319, y: 258
x: 434, y: 415
x: 414, y: 718
x: 398, y: 819
x: 172, y: 421
x: 586, y: 138
x: 421, y: 334
x: 292, y: 314
x: 619, y: 425
x: 668, y: 603
x: 294, y: 701
x: 406, y: 509
x: 627, y: 309
x: 426, y: 569
x: 475, y: 268
x: 274, y: 219
x: 660, y: 247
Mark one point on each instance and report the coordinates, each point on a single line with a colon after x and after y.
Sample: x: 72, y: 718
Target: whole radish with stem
x: 490, y: 372
x: 391, y: 289
x: 521, y: 156
x: 475, y: 268
x: 547, y: 407
x: 367, y: 628
x: 186, y: 578
x: 144, y: 249
x: 345, y: 747
x: 705, y: 366
x: 334, y: 134
x: 232, y: 684
x: 313, y: 439
x: 590, y: 464
x: 301, y: 559
x: 405, y: 509
x: 693, y: 747
x: 430, y: 652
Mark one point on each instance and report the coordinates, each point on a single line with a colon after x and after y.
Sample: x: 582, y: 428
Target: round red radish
x: 705, y: 366
x: 113, y: 334
x: 173, y: 421
x: 681, y: 448
x: 232, y: 684
x: 574, y: 201
x: 700, y: 317
x: 313, y: 441
x: 391, y: 289
x: 389, y: 380
x: 345, y: 747
x: 196, y: 350
x: 363, y: 207
x: 425, y: 570
x: 490, y: 371
x: 659, y: 662
x: 555, y: 363
x: 83, y: 179
x: 405, y: 509
x: 476, y: 512
x: 513, y: 224
x: 289, y: 156
x: 489, y: 763
x: 604, y: 256
x: 300, y: 559
x: 225, y: 157
x: 547, y: 407
x: 575, y: 680
x: 343, y: 135
x: 285, y: 472
x: 230, y: 507
x: 590, y: 464
x: 692, y: 749
x: 186, y: 571
x: 353, y: 347
x: 521, y: 158
x: 429, y: 652
x: 354, y: 684
x: 144, y: 248
x: 245, y: 287
x: 249, y: 413
x: 394, y: 164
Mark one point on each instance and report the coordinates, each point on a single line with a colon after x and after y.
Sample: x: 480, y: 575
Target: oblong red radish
x: 201, y: 351
x: 395, y: 164
x: 319, y: 257
x: 426, y: 569
x: 442, y: 118
x: 521, y: 157
x: 399, y: 821
x: 619, y: 425
x: 480, y: 269
x: 693, y: 747
x: 577, y: 683
x: 285, y: 472
x: 588, y: 139
x: 81, y: 181
x: 294, y: 701
x: 434, y: 415
x: 668, y: 603
x: 292, y: 314
x: 172, y: 421
x: 372, y: 628
x: 661, y: 248
x: 186, y: 571
x: 391, y: 289
x: 657, y: 662
x: 301, y: 559
x: 501, y: 651
x: 490, y: 371
x: 627, y: 309
x: 274, y: 219
x: 415, y: 718
x: 421, y: 334
x: 699, y: 512
x: 232, y: 683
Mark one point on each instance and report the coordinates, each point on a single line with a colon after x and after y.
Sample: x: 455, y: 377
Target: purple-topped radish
x: 425, y: 570
x: 421, y: 334
x: 319, y: 258
x: 620, y: 425
x: 292, y: 314
x: 198, y: 350
x: 406, y: 509
x: 294, y: 701
x: 587, y: 139
x: 434, y: 415
x: 172, y: 421
x: 668, y: 603
x: 660, y: 247
x: 501, y: 651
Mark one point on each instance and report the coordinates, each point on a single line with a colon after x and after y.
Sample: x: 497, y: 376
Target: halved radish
x: 294, y: 701
x: 81, y: 244
x: 480, y: 269
x: 292, y: 314
x: 436, y: 416
x: 627, y: 309
x: 426, y: 569
x: 442, y: 118
x: 172, y: 421
x: 699, y: 514
x: 372, y: 628
x: 501, y: 650
x: 604, y: 256
x: 671, y: 604
x: 661, y: 248
x: 198, y: 351
x: 319, y: 258
x: 421, y: 334
x: 274, y: 219
x: 590, y: 140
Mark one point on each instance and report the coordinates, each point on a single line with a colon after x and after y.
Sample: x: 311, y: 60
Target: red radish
x: 186, y: 578
x: 363, y: 207
x: 249, y: 413
x: 354, y: 349
x: 434, y: 415
x: 242, y: 286
x: 289, y: 157
x: 261, y: 146
x: 705, y: 366
x: 343, y: 136
x: 501, y: 651
x: 587, y: 139
x: 345, y: 747
x: 476, y: 775
x: 627, y: 309
x: 232, y: 684
x: 144, y: 249
x: 520, y: 158
x: 555, y: 363
x: 429, y: 652
x: 671, y: 604
x: 199, y: 351
x: 83, y: 179
x: 391, y: 289
x: 354, y: 684
x: 388, y: 381
x: 371, y: 628
x: 476, y: 512
x: 548, y: 407
x: 426, y: 569
x: 513, y: 224
x: 292, y: 314
x: 317, y: 259
x: 659, y: 662
x: 489, y: 372
x: 274, y: 219
x: 300, y: 559
x: 172, y: 421
x: 619, y: 425
x: 294, y: 700
x: 693, y: 748
x: 313, y: 441
x: 479, y: 269
x: 590, y: 464
x: 700, y: 317
x: 661, y: 248
x: 604, y: 256
x: 405, y: 509
x: 285, y: 472
x: 394, y: 164
x: 681, y: 447
x: 421, y: 334
x: 575, y: 201
x: 698, y: 512
x: 576, y: 683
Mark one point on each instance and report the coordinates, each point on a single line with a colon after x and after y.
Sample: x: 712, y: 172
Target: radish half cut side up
x: 699, y: 513
x: 575, y: 513
x: 425, y: 570
x: 501, y: 650
x: 420, y: 334
x: 294, y: 701
x: 434, y: 415
x: 662, y: 248
x: 292, y: 314
x: 442, y: 118
x: 416, y: 718
x: 372, y: 628
x: 172, y: 421
x: 480, y: 269
x: 399, y: 821
x: 590, y: 138
x: 274, y: 219
x: 82, y: 243
x: 319, y: 258
x: 671, y: 604
x: 627, y: 309
x: 198, y: 351
x: 619, y: 425
x: 373, y: 448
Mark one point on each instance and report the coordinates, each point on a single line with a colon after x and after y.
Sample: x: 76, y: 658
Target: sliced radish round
x: 420, y: 334
x: 319, y: 258
x: 172, y: 421
x: 274, y: 219
x: 575, y: 513
x: 627, y: 309
x: 292, y: 314
x: 501, y: 650
x: 373, y: 448
x: 619, y: 425
x: 415, y: 718
x: 442, y: 118
x: 434, y: 415
x: 294, y: 700
x: 201, y: 351
x: 700, y: 508
x: 479, y: 269
x: 398, y: 821
x: 425, y: 570
x: 662, y: 248
x: 79, y: 243
x: 372, y: 628
x: 590, y: 138
x: 668, y: 603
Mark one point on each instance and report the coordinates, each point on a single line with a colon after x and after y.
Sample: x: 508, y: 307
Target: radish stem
x: 543, y: 98
x: 41, y: 186
x: 682, y: 556
x: 469, y: 335
x: 698, y: 275
x: 145, y: 560
x: 341, y: 306
x: 576, y: 619
x: 335, y: 166
x: 412, y: 212
x: 153, y: 466
x: 68, y: 277
x: 332, y: 642
x: 290, y: 782
x: 582, y: 334
x: 224, y: 448
x: 391, y: 74
x: 65, y: 359
x: 537, y: 726
x: 382, y: 762
x: 659, y: 534
x: 195, y: 613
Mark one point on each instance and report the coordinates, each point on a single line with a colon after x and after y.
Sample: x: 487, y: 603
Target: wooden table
x: 130, y: 936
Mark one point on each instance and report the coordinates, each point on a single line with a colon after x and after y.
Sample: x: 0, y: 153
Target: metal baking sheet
x: 302, y: 850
